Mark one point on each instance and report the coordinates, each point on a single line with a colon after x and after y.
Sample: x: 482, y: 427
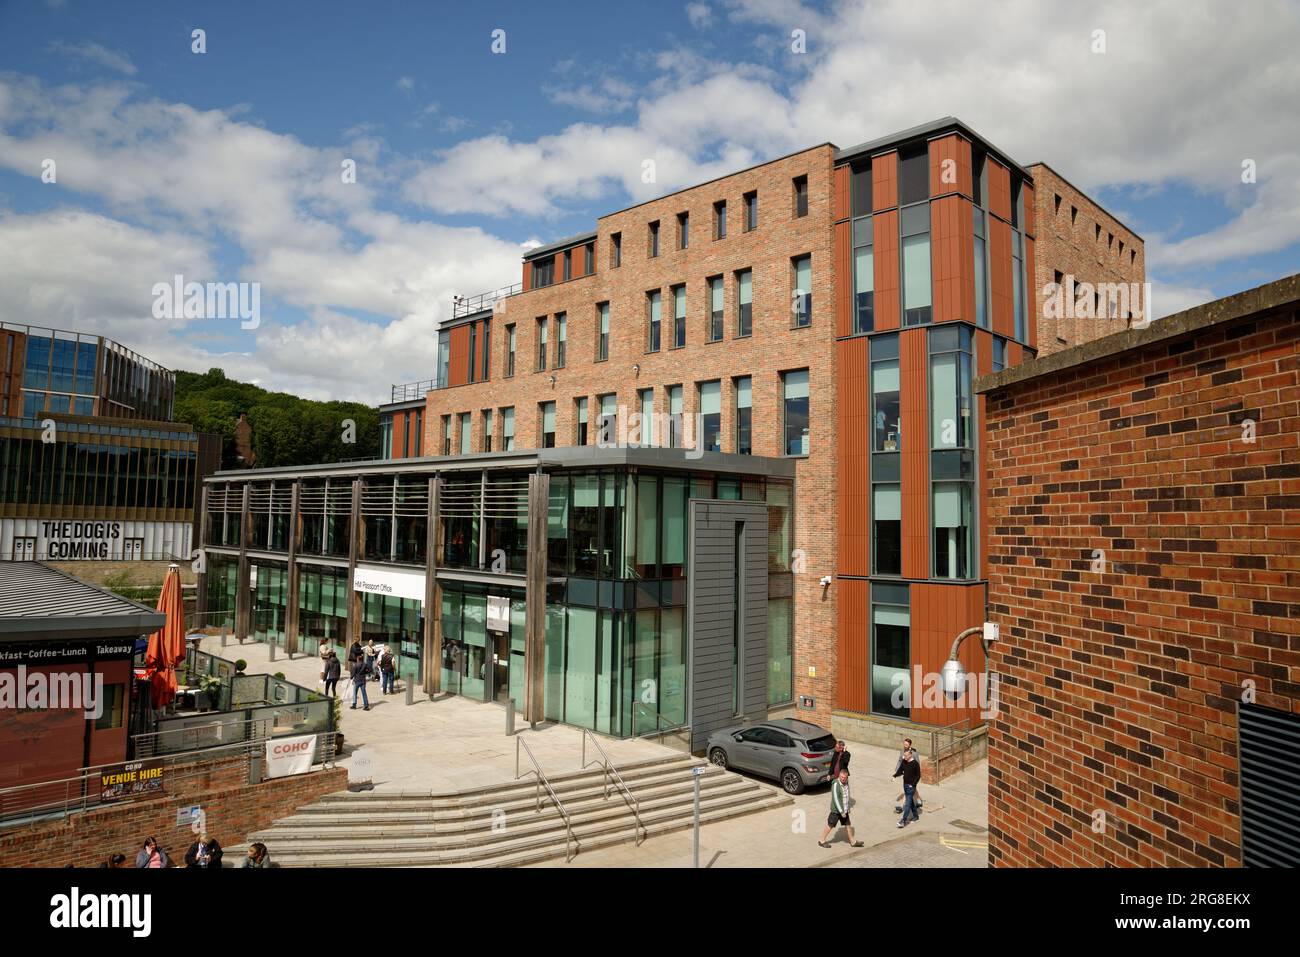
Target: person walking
x: 839, y: 811
x: 839, y: 760
x: 205, y: 852
x: 360, y: 675
x: 333, y: 668
x: 898, y: 801
x: 151, y: 855
x: 258, y: 856
x: 910, y: 771
x: 387, y: 671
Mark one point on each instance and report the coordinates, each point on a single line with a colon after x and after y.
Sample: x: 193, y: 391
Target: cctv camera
x: 826, y: 581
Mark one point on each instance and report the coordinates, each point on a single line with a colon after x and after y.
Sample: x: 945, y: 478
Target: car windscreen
x: 824, y: 743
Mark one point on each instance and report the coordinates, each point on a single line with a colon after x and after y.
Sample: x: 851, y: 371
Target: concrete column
x: 432, y: 653
x: 539, y: 491
x: 295, y: 542
x: 243, y: 600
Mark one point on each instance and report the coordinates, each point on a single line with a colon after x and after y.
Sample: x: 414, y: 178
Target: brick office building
x: 815, y: 309
x: 1144, y: 554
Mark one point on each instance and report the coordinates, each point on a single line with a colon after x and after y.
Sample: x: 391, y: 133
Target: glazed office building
x: 91, y: 467
x: 820, y: 316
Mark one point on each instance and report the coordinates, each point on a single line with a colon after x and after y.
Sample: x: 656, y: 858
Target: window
x: 543, y: 272
x: 487, y: 430
x: 646, y: 406
x: 561, y: 338
x: 654, y: 239
x: 446, y: 435
x: 1017, y: 204
x: 487, y: 343
x: 1018, y: 284
x: 981, y: 271
x: 952, y: 529
x: 744, y: 302
x: 547, y: 410
x: 465, y: 433
x: 886, y: 441
x: 580, y: 416
x: 802, y: 297
x: 744, y: 415
x: 715, y: 308
x: 679, y: 316
x: 916, y: 265
x: 950, y: 387
x: 800, y: 196
x: 952, y: 466
x: 608, y: 435
x: 568, y: 264
x: 751, y: 211
x: 508, y: 429
x: 473, y: 351
x: 999, y: 353
x: 653, y: 309
x: 444, y: 358
x: 602, y: 333
x: 510, y: 350
x: 720, y: 219
x: 675, y: 416
x: 860, y: 188
x: 864, y: 276
x: 887, y: 528
x: 541, y: 344
x: 588, y: 259
x: 885, y: 395
x: 615, y: 250
x: 711, y: 415
x: 891, y: 651
x: 979, y: 179
x: 683, y: 230
x: 795, y: 390
x: 913, y: 175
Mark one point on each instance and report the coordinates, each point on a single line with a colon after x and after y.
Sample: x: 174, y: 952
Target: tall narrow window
x: 561, y: 338
x: 679, y: 316
x: 654, y: 239
x: 913, y: 175
x: 646, y: 403
x: 720, y: 219
x: 465, y: 433
x: 744, y: 302
x: 885, y: 431
x: 952, y: 458
x: 541, y: 344
x: 981, y: 272
x: 548, y: 425
x: 444, y: 358
x: 800, y: 196
x: 860, y: 187
x: 616, y: 250
x: 864, y: 276
x: 795, y: 419
x: 683, y: 230
x: 916, y: 265
x: 887, y: 528
x: 654, y: 307
x: 543, y: 272
x: 568, y: 264
x: 508, y: 429
x: 744, y: 415
x: 711, y: 415
x: 952, y: 529
x: 487, y: 430
x: 588, y: 259
x: 470, y: 375
x: 1018, y: 284
x: 715, y: 309
x: 802, y: 293
x: 751, y: 211
x: 446, y: 435
x: 999, y: 353
x: 487, y: 346
x: 891, y: 650
x: 602, y: 334
x: 608, y: 435
x: 950, y: 387
x: 580, y: 416
x: 674, y: 416
x: 510, y: 350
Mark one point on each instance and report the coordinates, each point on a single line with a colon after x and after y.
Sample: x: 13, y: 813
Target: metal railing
x: 542, y: 782
x: 410, y: 391
x: 468, y: 305
x: 949, y: 740
x: 611, y: 774
x: 63, y: 796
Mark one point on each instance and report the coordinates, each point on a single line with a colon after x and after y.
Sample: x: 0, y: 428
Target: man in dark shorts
x: 839, y: 811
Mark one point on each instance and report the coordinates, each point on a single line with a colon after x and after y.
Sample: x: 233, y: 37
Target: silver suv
x: 795, y: 753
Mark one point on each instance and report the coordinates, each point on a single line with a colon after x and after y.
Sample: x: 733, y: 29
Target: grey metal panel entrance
x: 1270, y: 787
x: 728, y: 555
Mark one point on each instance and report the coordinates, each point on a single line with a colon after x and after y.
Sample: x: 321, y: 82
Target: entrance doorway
x: 500, y: 665
x: 25, y: 548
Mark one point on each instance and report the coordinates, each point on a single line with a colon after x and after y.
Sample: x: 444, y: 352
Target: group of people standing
x: 205, y: 853
x: 368, y: 662
x: 908, y: 803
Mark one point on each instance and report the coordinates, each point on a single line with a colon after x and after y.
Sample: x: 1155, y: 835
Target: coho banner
x: 286, y: 756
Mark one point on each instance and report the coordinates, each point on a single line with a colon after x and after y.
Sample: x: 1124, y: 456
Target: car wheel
x: 719, y: 757
x: 791, y: 781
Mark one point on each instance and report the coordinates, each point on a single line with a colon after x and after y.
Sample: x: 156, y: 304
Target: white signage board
x: 286, y: 756
x: 395, y: 582
x: 498, y: 613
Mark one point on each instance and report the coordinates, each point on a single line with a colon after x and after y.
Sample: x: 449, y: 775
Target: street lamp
x: 952, y: 676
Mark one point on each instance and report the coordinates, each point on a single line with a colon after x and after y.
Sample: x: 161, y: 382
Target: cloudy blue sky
x: 226, y: 165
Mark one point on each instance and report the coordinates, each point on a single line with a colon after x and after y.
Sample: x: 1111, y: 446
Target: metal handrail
x: 662, y: 724
x: 543, y: 782
x: 638, y: 826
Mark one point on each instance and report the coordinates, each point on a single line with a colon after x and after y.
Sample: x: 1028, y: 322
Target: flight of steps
x: 374, y: 829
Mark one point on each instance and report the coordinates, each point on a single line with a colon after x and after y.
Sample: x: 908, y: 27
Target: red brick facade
x: 1144, y: 565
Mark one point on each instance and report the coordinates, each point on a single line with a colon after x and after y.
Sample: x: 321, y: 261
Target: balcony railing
x: 468, y: 305
x: 410, y: 391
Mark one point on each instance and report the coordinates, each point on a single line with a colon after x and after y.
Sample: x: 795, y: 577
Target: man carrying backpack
x: 387, y: 671
x: 360, y: 675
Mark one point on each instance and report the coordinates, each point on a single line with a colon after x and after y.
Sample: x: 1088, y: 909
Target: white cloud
x: 95, y: 53
x: 405, y: 84
x: 700, y: 15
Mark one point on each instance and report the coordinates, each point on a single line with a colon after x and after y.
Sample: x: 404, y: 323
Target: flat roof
x: 929, y: 130
x: 1280, y: 294
x: 37, y: 598
x: 564, y: 457
x: 560, y: 244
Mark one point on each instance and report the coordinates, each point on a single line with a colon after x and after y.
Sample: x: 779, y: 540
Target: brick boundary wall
x: 234, y: 809
x: 1120, y: 688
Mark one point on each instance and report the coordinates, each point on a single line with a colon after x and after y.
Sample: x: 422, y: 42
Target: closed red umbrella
x: 167, y: 644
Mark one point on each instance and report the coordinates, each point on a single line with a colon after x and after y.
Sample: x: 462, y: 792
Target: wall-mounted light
x: 552, y: 382
x: 636, y: 368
